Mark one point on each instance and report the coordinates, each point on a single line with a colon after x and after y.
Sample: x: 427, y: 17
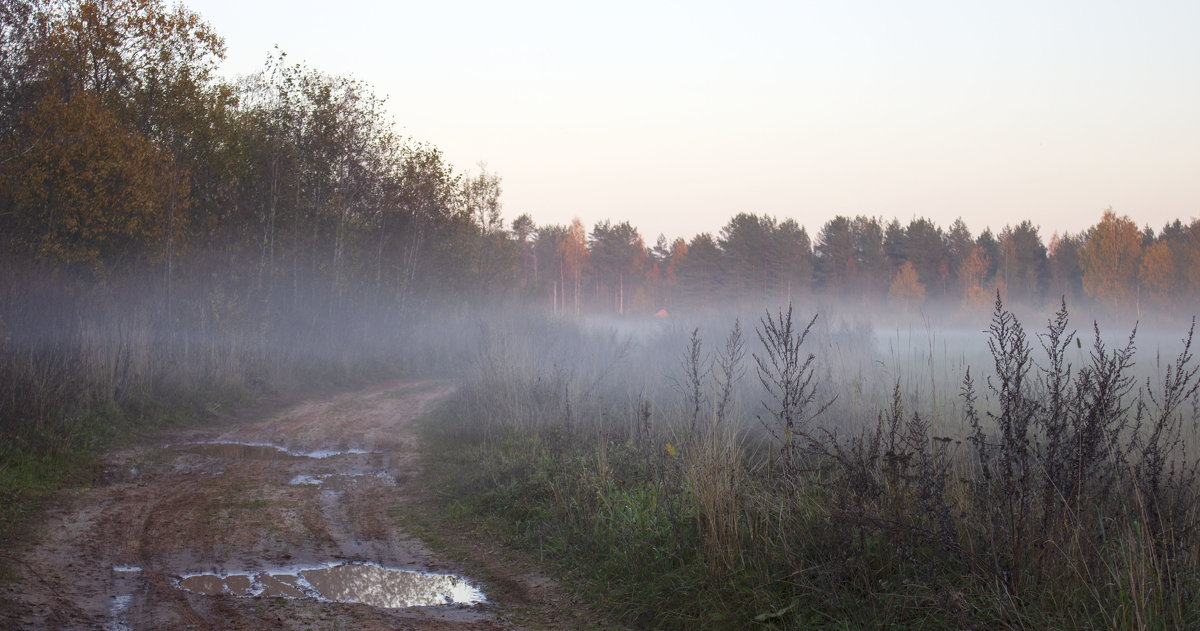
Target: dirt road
x: 288, y: 523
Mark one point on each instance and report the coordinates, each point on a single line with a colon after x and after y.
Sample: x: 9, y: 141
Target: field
x: 770, y: 468
x: 793, y: 471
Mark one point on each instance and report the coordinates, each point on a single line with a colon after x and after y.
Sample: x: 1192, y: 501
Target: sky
x: 677, y: 116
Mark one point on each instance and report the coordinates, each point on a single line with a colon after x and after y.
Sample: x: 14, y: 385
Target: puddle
x: 238, y: 451
x: 362, y: 583
x: 329, y: 453
x: 306, y: 479
x: 116, y: 612
x: 260, y: 451
x: 115, y: 474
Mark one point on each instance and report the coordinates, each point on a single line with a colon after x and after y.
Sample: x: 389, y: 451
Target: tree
x: 871, y: 260
x: 20, y: 32
x: 925, y: 248
x: 1110, y: 257
x: 677, y: 258
x: 549, y: 264
x: 575, y: 259
x: 1065, y: 275
x: 972, y: 277
x: 792, y: 254
x: 658, y: 274
x: 1157, y: 274
x: 424, y: 190
x: 991, y: 251
x: 1186, y: 258
x: 124, y: 83
x: 94, y: 196
x: 959, y: 245
x: 746, y: 244
x: 618, y: 255
x: 907, y: 290
x: 523, y: 228
x: 700, y: 271
x: 480, y: 197
x: 895, y: 245
x: 836, y: 263
x: 1024, y: 265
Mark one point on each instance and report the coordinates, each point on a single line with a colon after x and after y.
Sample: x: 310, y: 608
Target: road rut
x: 322, y: 484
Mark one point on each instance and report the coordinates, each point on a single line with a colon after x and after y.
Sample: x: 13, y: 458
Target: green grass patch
x: 623, y: 531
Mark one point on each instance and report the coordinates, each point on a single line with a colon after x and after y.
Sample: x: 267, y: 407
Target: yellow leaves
x: 91, y: 190
x: 574, y: 249
x: 1158, y: 273
x: 906, y: 289
x: 1109, y: 258
x: 671, y: 452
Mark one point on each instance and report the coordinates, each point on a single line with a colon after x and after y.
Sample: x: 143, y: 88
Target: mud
x: 288, y: 523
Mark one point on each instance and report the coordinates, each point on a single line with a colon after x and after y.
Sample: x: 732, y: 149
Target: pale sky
x: 676, y: 116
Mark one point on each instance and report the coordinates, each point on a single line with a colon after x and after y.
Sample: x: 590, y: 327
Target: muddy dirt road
x: 288, y: 523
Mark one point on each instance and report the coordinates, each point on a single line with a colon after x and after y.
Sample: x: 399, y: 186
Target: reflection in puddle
x: 350, y: 583
x: 260, y: 451
x: 305, y: 479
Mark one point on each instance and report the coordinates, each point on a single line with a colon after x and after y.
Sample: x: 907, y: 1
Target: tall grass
x: 1052, y: 487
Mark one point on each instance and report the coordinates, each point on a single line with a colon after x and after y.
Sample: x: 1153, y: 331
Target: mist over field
x: 857, y: 421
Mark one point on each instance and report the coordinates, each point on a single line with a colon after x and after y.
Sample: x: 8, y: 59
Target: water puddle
x: 236, y: 451
x: 119, y: 607
x: 115, y: 474
x: 329, y: 453
x: 362, y: 583
x: 319, y: 479
x: 260, y: 451
x: 116, y: 613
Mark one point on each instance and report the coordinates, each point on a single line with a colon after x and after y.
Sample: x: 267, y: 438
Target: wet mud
x: 287, y: 523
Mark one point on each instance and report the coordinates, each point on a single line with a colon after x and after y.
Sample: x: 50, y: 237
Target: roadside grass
x: 484, y: 546
x: 1015, y: 508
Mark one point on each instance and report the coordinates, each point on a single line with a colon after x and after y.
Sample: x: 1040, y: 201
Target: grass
x: 797, y: 477
x: 1050, y: 493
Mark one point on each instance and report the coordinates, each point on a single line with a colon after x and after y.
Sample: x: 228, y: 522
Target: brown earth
x: 325, y: 482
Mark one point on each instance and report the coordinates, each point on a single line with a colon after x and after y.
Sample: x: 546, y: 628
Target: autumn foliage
x: 122, y: 152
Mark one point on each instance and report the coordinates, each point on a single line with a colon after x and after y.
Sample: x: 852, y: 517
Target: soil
x: 324, y: 483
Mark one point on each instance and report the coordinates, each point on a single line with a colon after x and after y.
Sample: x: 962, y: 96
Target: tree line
x: 1114, y: 265
x: 123, y: 155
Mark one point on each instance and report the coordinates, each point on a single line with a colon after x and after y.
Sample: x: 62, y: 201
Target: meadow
x: 788, y: 470
x: 773, y: 468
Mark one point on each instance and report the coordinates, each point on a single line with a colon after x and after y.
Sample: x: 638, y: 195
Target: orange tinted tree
x: 907, y: 291
x: 1157, y: 274
x: 1109, y: 258
x: 93, y: 194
